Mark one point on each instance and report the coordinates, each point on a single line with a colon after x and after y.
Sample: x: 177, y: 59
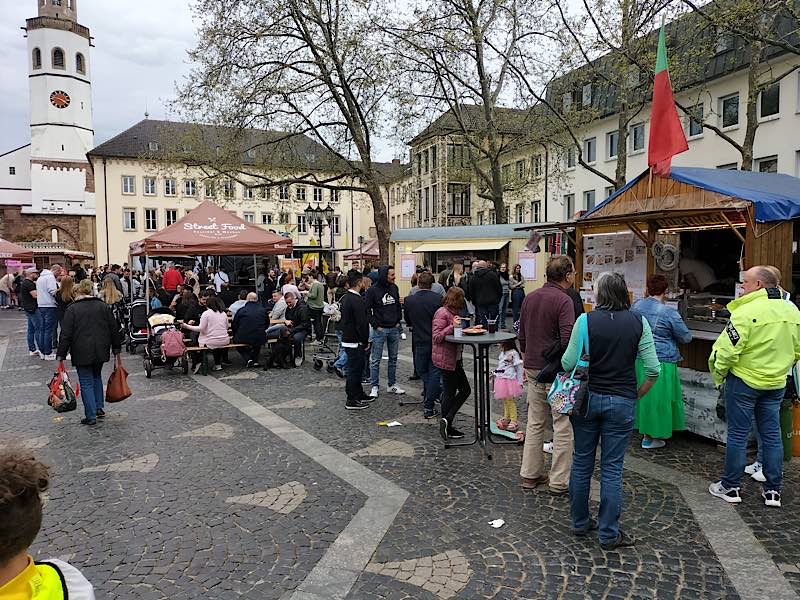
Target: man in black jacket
x: 250, y: 327
x: 298, y: 321
x: 384, y: 312
x: 419, y: 309
x: 355, y: 339
x: 485, y: 292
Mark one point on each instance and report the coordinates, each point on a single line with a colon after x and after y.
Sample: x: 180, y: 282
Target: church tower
x: 59, y: 75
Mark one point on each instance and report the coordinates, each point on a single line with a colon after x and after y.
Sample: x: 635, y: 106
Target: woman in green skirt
x: 660, y: 412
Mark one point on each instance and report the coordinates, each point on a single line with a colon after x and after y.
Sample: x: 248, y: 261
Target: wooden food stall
x: 700, y: 228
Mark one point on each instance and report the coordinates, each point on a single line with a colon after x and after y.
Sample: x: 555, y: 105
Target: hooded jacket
x: 88, y: 332
x: 383, y: 302
x: 485, y: 287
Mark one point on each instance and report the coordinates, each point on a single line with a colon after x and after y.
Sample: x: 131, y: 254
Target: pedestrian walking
x: 27, y: 300
x: 508, y: 378
x: 384, y: 312
x: 616, y: 337
x: 46, y: 288
x: 446, y: 356
x: 545, y: 325
x: 355, y: 340
x: 752, y: 357
x: 89, y: 335
x: 516, y: 285
x: 660, y: 412
x: 419, y: 312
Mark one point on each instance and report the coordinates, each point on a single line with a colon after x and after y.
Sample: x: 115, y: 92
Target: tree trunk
x: 497, y: 192
x: 621, y: 174
x: 381, y: 220
x: 751, y: 112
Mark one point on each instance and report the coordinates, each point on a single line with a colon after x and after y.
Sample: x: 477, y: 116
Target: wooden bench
x: 205, y: 350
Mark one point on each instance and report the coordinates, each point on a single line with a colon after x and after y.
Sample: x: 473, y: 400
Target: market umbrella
x: 11, y: 251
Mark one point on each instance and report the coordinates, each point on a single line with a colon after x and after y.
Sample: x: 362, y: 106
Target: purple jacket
x: 444, y: 354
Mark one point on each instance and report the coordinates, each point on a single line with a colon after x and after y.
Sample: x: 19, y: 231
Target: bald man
x: 250, y: 327
x: 752, y: 357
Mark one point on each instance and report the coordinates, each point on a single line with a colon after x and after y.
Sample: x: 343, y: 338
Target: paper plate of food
x: 477, y: 330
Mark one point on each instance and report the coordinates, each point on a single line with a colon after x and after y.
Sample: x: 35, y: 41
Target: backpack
x: 172, y: 345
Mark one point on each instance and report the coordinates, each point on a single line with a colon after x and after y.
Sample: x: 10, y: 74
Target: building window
x: 696, y: 120
x: 189, y: 187
x: 335, y: 229
x: 427, y: 203
x: 770, y: 101
x: 768, y: 164
x: 536, y: 211
x: 536, y: 166
x: 170, y: 186
x: 129, y: 219
x: 729, y: 110
x: 435, y: 201
x: 80, y: 64
x: 150, y: 219
x: 586, y: 95
x: 37, y: 58
x: 128, y: 184
x: 508, y: 214
x: 492, y: 218
x: 170, y: 216
x: 569, y: 206
x: 588, y: 199
x: 590, y: 150
x: 154, y: 146
x: 725, y: 41
x: 457, y: 155
x: 571, y: 160
x: 520, y: 213
x: 427, y: 163
x: 318, y: 194
x: 12, y: 170
x: 211, y: 190
x: 228, y: 188
x: 249, y: 217
x: 419, y: 205
x: 612, y: 144
x: 505, y: 173
x: 610, y: 191
x: 58, y: 59
x: 251, y: 153
x: 521, y: 170
x: 566, y: 101
x: 300, y: 192
x: 301, y: 224
x: 248, y: 193
x: 728, y: 167
x: 433, y: 157
x: 283, y: 192
x: 637, y: 137
x: 458, y: 200
x: 334, y: 196
x: 480, y: 218
x: 149, y: 186
x: 266, y: 219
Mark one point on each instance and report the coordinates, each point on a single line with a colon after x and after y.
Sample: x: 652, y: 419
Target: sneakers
x: 49, y: 356
x: 101, y: 413
x: 298, y: 362
x: 373, y: 393
x: 454, y: 433
x: 730, y: 495
x: 218, y: 367
x: 653, y: 444
x: 756, y: 472
x: 395, y: 389
x: 531, y: 483
x: 547, y: 447
x: 771, y: 498
x: 443, y: 427
x: 88, y: 421
x: 197, y: 368
x: 403, y: 336
x: 355, y: 405
x: 365, y: 382
x: 34, y: 353
x: 586, y: 530
x: 430, y: 414
x: 623, y: 540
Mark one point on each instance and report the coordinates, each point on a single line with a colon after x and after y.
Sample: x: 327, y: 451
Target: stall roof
x: 12, y: 251
x: 368, y: 249
x: 456, y: 246
x: 459, y: 232
x: 211, y: 230
x: 776, y: 197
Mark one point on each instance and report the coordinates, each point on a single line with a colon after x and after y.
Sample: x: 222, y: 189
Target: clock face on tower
x: 59, y: 99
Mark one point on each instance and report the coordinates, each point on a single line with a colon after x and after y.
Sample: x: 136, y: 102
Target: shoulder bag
x: 568, y: 393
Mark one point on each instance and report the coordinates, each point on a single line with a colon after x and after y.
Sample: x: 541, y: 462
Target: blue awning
x: 776, y: 197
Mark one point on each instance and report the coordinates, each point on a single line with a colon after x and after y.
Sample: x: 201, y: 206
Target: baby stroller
x: 137, y: 325
x: 325, y: 353
x: 157, y: 352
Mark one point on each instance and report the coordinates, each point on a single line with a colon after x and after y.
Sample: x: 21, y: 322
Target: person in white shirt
x: 46, y: 288
x: 278, y: 313
x: 233, y: 308
x: 220, y: 279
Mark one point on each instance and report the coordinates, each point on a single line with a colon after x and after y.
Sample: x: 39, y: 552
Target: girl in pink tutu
x: 508, y: 385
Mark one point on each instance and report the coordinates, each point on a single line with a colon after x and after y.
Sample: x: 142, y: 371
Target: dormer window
x: 154, y: 146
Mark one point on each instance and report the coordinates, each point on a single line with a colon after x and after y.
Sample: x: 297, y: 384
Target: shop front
x: 701, y: 228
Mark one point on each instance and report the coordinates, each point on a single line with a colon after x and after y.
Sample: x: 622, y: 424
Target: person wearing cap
x: 27, y: 300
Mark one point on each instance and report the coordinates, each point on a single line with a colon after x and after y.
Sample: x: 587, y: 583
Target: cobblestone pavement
x: 183, y: 492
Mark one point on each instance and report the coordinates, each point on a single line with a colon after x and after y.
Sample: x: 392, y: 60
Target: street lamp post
x: 318, y: 218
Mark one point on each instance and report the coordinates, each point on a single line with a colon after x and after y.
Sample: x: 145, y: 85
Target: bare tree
x: 312, y: 69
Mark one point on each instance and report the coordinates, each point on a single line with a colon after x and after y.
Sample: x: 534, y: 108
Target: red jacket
x: 171, y: 279
x: 444, y: 354
x: 547, y: 315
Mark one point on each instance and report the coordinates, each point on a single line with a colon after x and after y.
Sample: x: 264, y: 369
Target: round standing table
x: 482, y: 393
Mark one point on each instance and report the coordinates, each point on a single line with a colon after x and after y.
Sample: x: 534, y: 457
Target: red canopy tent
x: 11, y: 251
x: 368, y: 250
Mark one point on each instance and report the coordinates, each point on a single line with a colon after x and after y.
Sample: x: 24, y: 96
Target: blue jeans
x: 741, y: 403
x: 341, y: 360
x: 517, y: 296
x: 34, y: 327
x: 390, y: 336
x: 503, y: 308
x: 3, y: 299
x: 609, y: 421
x: 484, y: 312
x: 49, y: 323
x: 91, y: 381
x: 429, y: 373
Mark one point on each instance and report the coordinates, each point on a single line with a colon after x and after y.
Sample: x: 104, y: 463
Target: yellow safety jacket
x: 39, y: 581
x: 760, y: 343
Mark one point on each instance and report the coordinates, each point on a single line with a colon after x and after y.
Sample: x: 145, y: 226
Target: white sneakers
x: 49, y: 356
x: 771, y: 498
x: 547, y: 447
x: 34, y: 353
x: 755, y: 472
x: 373, y: 393
x: 298, y: 362
x: 730, y: 495
x: 395, y: 389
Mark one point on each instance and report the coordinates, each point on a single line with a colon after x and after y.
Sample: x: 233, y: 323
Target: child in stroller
x: 165, y: 345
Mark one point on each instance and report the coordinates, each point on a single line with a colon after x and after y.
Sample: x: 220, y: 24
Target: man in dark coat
x: 419, y: 311
x: 250, y: 327
x: 485, y: 292
x: 355, y: 340
x: 298, y: 321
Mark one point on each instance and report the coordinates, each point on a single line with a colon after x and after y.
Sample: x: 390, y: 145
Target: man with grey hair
x: 751, y: 357
x: 250, y: 327
x: 46, y: 288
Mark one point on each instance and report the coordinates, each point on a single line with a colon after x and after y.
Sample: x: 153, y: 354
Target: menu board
x: 408, y: 265
x: 527, y: 262
x: 622, y: 253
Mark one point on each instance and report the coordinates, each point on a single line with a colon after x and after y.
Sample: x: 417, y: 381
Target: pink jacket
x: 213, y: 329
x: 444, y: 354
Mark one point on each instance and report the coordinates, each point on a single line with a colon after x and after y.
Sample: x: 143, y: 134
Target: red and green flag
x: 666, y: 131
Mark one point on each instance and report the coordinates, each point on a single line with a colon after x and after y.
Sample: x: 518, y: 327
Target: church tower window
x: 80, y: 64
x: 58, y: 58
x: 37, y: 58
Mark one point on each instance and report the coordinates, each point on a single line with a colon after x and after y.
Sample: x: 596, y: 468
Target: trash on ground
x: 497, y: 523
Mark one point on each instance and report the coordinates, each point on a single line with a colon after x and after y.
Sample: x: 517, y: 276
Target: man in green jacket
x: 752, y: 357
x: 316, y: 302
